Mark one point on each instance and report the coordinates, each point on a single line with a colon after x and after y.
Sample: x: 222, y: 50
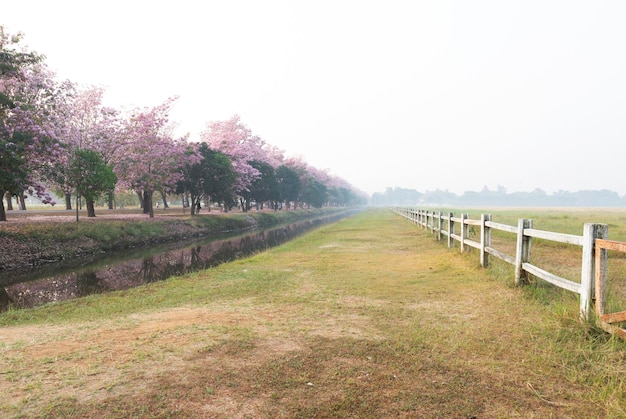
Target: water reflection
x: 99, y: 277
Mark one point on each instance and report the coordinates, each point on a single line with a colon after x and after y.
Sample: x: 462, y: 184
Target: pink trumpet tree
x: 151, y: 160
x: 28, y: 130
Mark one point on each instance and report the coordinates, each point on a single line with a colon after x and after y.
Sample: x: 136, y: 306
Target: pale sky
x: 427, y: 95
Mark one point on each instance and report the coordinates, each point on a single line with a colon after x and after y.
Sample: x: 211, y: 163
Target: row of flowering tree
x: 59, y: 136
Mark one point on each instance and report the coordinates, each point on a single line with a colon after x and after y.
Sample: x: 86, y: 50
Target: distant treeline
x: 499, y: 197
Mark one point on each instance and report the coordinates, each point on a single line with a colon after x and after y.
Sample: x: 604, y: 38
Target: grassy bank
x: 35, y: 239
x: 368, y: 317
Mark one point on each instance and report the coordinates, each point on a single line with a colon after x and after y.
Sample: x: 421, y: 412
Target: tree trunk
x: 9, y: 198
x: 111, y: 198
x: 22, y: 202
x: 3, y: 214
x: 91, y: 211
x: 77, y: 215
x: 140, y: 195
x: 164, y: 197
x: 193, y: 204
x: 147, y: 203
x: 68, y: 201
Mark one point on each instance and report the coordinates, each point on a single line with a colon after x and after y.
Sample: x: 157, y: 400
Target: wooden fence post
x: 591, y: 232
x: 522, y: 250
x: 432, y: 222
x: 485, y: 239
x: 601, y: 256
x: 439, y: 216
x: 464, y: 230
x: 450, y: 229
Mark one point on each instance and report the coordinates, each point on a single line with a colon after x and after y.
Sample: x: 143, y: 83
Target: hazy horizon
x: 426, y: 95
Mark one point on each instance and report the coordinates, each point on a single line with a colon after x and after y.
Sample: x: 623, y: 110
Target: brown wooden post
x: 600, y: 279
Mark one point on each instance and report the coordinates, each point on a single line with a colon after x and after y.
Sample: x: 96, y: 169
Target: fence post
x: 440, y: 214
x: 522, y: 250
x: 450, y: 229
x: 432, y: 223
x: 485, y: 239
x: 600, y: 274
x: 431, y: 226
x: 463, y: 231
x: 591, y: 232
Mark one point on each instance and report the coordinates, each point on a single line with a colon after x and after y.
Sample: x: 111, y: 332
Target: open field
x: 368, y: 317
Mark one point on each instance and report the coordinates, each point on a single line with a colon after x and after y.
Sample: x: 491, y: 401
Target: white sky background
x: 429, y: 94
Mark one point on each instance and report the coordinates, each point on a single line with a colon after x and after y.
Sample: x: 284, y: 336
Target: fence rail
x: 593, y: 242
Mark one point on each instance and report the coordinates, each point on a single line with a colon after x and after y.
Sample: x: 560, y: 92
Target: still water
x: 130, y: 269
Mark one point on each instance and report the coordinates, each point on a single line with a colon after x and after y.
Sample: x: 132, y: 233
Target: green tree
x: 264, y: 188
x: 289, y: 185
x: 223, y: 179
x: 314, y: 193
x: 211, y: 178
x: 91, y: 177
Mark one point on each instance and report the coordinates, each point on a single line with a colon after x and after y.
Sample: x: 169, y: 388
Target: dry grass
x: 368, y: 317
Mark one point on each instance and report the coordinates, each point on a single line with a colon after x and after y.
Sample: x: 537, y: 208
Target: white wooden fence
x: 593, y: 264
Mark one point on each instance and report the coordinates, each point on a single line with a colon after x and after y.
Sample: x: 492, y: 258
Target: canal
x: 127, y: 269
